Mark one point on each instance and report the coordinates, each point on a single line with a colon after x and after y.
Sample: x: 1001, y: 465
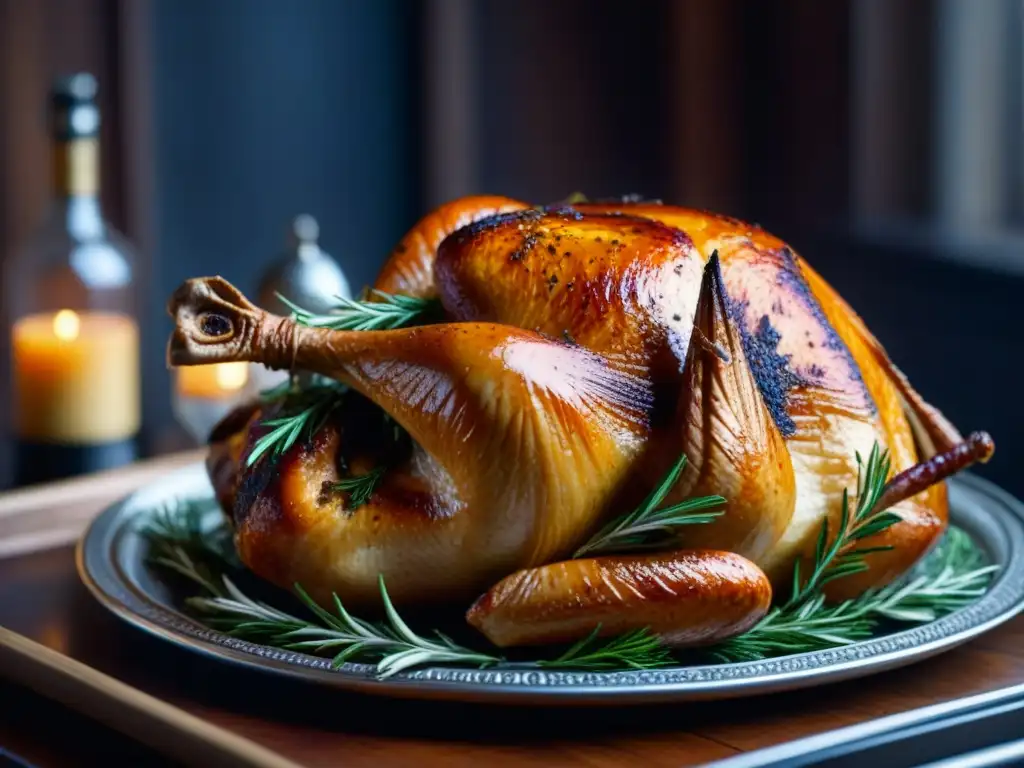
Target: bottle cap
x: 73, y: 110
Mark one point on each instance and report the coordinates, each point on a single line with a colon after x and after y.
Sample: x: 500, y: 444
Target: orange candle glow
x: 216, y: 381
x: 76, y: 377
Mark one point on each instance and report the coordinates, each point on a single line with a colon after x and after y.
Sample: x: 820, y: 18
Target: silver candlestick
x: 305, y: 275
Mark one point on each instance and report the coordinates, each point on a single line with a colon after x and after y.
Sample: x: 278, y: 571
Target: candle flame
x: 231, y: 375
x: 66, y: 325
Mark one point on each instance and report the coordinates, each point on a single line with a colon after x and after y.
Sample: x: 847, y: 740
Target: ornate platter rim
x: 993, y: 517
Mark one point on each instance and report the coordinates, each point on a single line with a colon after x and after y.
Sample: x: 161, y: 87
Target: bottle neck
x: 76, y: 177
x: 76, y: 168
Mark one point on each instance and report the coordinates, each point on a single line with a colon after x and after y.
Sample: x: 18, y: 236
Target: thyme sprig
x: 388, y: 312
x: 647, y: 527
x: 843, y: 557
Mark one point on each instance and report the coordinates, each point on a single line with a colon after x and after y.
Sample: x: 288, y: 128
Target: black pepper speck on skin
x: 771, y: 370
x: 815, y: 371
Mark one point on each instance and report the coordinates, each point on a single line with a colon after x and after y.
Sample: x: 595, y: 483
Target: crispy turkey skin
x: 583, y: 349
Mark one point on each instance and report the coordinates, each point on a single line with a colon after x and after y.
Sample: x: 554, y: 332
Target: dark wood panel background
x: 797, y: 114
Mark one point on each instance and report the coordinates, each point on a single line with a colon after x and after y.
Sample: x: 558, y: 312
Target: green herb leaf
x: 648, y: 527
x: 952, y: 577
x: 388, y: 312
x: 841, y: 558
x: 361, y: 487
x: 638, y: 649
x: 393, y: 645
x: 305, y: 413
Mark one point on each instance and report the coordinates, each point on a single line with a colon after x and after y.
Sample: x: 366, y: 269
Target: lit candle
x: 76, y: 377
x: 215, y: 381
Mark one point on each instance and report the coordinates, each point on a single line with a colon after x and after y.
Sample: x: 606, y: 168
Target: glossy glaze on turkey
x: 584, y: 348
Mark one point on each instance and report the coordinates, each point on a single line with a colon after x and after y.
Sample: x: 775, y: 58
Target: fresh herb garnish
x: 388, y: 312
x: 638, y: 649
x: 843, y: 557
x: 648, y: 527
x: 392, y: 644
x: 181, y: 542
x: 952, y: 577
x: 360, y: 487
x: 305, y: 412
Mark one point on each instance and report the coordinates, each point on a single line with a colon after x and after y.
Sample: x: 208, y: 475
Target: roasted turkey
x: 584, y: 347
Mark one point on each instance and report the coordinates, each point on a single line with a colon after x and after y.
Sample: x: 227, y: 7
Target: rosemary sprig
x: 393, y: 645
x: 305, y: 412
x: 843, y: 557
x: 811, y: 626
x: 951, y: 578
x: 638, y: 649
x: 389, y: 311
x: 648, y: 527
x: 295, y: 384
x: 954, y: 576
x: 360, y: 487
x: 179, y: 542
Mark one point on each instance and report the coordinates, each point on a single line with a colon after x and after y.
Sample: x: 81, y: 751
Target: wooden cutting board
x: 137, y: 688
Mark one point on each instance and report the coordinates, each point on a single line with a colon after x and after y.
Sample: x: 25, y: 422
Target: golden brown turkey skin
x: 625, y: 288
x: 687, y: 598
x: 829, y: 396
x: 842, y: 395
x: 292, y: 525
x: 523, y: 444
x: 410, y: 268
x: 723, y: 426
x: 577, y: 377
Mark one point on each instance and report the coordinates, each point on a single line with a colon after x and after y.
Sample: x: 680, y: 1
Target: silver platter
x: 111, y: 564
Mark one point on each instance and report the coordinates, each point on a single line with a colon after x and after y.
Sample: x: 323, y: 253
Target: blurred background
x: 882, y: 138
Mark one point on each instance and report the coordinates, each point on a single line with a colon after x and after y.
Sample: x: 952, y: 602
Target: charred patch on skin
x: 772, y: 371
x: 257, y: 485
x: 775, y: 373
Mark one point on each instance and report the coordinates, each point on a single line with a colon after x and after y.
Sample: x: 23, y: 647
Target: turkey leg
x: 528, y: 439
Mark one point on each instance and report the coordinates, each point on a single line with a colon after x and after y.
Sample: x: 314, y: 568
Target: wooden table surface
x: 42, y: 598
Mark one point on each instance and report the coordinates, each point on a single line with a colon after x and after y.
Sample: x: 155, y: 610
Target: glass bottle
x: 74, y: 333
